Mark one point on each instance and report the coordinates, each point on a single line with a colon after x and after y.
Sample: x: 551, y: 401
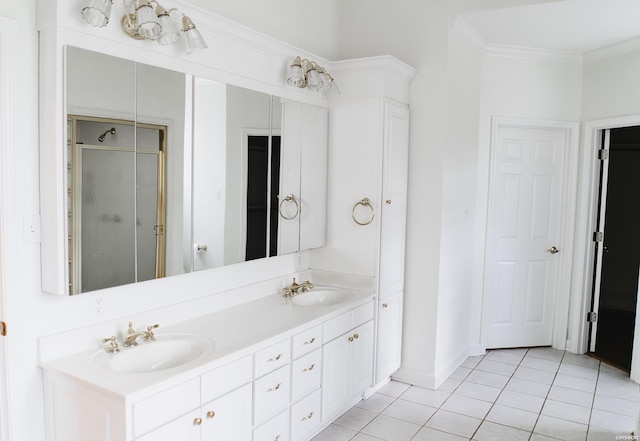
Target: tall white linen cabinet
x: 367, y: 191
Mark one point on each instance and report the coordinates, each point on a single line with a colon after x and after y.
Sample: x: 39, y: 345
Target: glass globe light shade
x: 147, y: 21
x: 97, y: 12
x: 192, y: 37
x: 169, y: 33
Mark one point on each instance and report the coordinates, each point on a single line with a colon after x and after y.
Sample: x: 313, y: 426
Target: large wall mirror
x: 168, y: 173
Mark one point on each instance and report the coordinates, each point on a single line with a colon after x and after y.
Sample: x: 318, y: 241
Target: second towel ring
x: 367, y: 203
x: 289, y: 198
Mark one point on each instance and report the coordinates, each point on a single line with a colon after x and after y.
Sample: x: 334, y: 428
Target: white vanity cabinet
x: 227, y: 417
x: 347, y: 360
x: 390, y: 266
x: 389, y: 337
x: 225, y: 412
x: 368, y: 160
x: 286, y: 389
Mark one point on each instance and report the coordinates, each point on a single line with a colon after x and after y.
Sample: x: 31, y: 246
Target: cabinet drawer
x: 306, y: 341
x: 226, y: 378
x: 349, y: 320
x: 305, y: 417
x: 276, y: 429
x: 273, y: 357
x: 165, y: 406
x: 271, y: 394
x: 336, y: 326
x: 306, y: 374
x: 362, y: 314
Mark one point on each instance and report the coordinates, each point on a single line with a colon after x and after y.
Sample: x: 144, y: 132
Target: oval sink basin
x: 165, y: 353
x: 321, y: 297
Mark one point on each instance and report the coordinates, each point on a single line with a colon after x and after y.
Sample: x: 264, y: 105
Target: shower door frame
x: 75, y: 196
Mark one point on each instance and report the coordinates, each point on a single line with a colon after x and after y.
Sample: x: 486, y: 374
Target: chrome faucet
x: 132, y: 335
x: 295, y: 288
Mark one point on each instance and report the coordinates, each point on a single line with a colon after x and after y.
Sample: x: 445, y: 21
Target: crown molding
x: 468, y: 33
x: 386, y: 63
x: 612, y: 50
x: 503, y: 50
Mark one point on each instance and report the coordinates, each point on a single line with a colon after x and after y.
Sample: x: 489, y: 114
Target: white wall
x: 21, y: 280
x: 308, y: 24
x: 458, y: 205
x: 611, y: 87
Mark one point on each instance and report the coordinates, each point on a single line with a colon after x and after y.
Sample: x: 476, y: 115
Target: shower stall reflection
x: 117, y: 234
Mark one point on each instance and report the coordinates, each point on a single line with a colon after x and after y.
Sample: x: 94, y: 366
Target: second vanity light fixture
x: 142, y: 22
x: 305, y: 73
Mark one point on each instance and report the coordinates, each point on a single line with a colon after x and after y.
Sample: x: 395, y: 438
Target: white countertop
x: 236, y: 332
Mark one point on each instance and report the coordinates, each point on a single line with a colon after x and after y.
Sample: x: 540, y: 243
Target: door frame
x: 566, y: 240
x: 584, y: 252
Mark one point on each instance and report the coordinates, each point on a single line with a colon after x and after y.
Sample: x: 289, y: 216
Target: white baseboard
x: 415, y: 377
x: 476, y: 350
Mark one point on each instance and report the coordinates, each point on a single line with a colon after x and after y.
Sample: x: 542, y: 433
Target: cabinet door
x: 361, y: 360
x: 394, y: 197
x: 228, y: 417
x: 347, y: 369
x: 389, y: 342
x: 184, y: 428
x: 335, y: 376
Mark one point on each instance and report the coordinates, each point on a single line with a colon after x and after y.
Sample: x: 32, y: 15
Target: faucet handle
x: 148, y: 336
x: 131, y: 330
x: 113, y: 344
x: 307, y: 285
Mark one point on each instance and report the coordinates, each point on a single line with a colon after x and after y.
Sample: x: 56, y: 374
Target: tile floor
x: 537, y: 394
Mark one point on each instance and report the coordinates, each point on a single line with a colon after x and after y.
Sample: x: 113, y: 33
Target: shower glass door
x: 117, y: 215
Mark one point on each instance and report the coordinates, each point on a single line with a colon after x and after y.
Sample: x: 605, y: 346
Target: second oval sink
x: 321, y: 296
x: 166, y: 352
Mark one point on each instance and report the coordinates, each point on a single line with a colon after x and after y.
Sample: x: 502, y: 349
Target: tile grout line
x: 450, y: 393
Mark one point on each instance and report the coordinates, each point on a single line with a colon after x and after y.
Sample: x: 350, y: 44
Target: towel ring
x: 289, y: 198
x: 367, y: 203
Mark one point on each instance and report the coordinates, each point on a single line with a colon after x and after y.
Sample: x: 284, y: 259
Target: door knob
x: 553, y: 250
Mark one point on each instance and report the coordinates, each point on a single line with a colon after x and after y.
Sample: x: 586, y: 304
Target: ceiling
x: 570, y: 26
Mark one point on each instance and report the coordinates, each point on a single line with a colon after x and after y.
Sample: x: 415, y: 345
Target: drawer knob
x: 277, y: 438
x: 310, y: 368
x: 308, y: 417
x: 350, y: 338
x: 385, y: 305
x: 197, y: 421
x: 278, y: 357
x: 356, y: 336
x: 271, y: 389
x: 310, y: 341
x: 211, y: 414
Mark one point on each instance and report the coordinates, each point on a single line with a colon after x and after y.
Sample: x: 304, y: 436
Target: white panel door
x: 523, y: 234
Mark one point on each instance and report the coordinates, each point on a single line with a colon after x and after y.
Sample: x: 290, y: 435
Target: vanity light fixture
x: 142, y: 22
x: 305, y: 73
